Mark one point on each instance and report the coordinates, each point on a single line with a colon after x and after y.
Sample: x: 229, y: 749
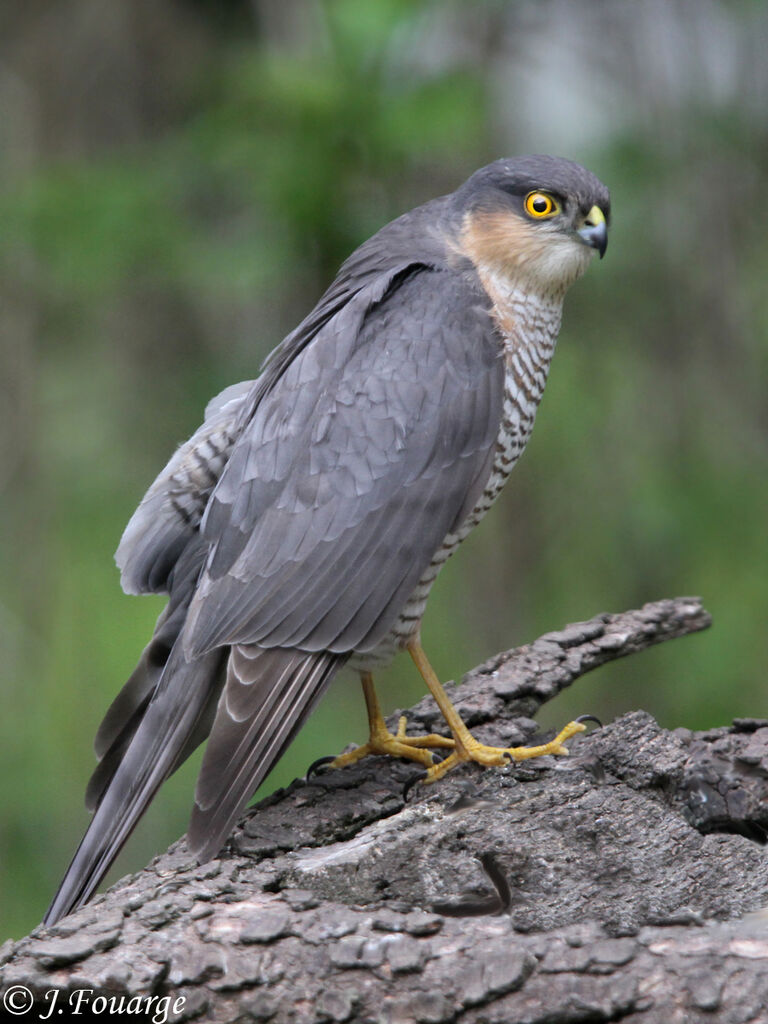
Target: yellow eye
x: 540, y: 205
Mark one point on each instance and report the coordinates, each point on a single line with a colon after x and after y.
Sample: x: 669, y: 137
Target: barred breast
x: 528, y: 326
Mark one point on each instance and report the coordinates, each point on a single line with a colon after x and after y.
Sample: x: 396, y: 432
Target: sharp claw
x: 590, y: 718
x: 314, y: 768
x: 414, y: 779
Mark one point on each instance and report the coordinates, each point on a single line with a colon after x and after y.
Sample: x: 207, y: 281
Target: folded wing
x: 371, y: 447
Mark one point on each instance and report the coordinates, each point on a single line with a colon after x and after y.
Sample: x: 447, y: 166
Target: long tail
x: 154, y: 744
x: 267, y: 697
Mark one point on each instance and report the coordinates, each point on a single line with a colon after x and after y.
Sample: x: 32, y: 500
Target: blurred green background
x: 180, y: 181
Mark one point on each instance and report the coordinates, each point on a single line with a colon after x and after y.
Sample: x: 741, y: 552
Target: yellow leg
x: 467, y: 748
x: 381, y: 740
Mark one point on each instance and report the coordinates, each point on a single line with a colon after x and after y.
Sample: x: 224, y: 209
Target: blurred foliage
x: 173, y: 207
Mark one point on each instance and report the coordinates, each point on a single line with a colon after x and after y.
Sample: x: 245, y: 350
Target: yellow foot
x: 469, y: 749
x: 381, y: 741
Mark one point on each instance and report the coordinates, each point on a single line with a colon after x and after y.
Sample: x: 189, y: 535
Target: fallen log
x: 624, y: 882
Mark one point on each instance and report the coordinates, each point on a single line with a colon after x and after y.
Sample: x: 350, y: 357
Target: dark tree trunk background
x: 625, y: 882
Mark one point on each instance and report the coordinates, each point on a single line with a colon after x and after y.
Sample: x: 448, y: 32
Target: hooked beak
x: 594, y: 231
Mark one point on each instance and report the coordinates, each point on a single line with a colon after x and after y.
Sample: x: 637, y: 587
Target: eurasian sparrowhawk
x: 303, y: 525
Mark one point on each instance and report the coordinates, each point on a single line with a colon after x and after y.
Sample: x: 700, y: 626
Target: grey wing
x: 170, y: 512
x: 161, y: 551
x: 368, y: 450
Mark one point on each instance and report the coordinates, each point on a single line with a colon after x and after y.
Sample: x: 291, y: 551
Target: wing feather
x: 266, y: 699
x: 393, y: 442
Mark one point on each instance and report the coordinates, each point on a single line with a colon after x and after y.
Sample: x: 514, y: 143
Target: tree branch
x: 611, y: 885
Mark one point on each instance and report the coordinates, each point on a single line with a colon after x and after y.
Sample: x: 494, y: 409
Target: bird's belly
x: 519, y: 411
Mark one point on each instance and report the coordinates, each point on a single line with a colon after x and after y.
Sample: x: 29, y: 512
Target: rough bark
x: 622, y: 883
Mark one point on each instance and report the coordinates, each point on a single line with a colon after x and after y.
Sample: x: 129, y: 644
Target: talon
x: 463, y: 746
x: 413, y: 781
x: 466, y: 747
x: 321, y: 762
x: 590, y: 718
x: 383, y: 742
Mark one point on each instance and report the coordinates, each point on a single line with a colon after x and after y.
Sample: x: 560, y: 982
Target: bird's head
x: 536, y: 220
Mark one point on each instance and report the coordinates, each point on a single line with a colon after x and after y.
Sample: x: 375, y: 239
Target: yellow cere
x: 595, y: 217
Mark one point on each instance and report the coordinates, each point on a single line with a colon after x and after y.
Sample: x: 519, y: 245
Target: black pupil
x: 540, y: 204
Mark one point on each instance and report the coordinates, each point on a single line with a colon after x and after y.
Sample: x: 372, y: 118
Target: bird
x: 302, y: 526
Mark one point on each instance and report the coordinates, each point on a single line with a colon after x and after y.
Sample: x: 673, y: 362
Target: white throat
x: 527, y: 318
